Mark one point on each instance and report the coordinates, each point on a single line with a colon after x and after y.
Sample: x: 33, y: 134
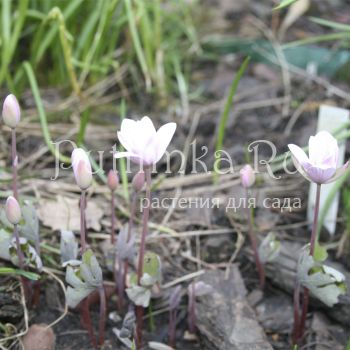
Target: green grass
x: 226, y: 112
x: 72, y: 44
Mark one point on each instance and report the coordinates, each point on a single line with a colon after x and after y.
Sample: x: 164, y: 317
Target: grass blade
x: 227, y: 108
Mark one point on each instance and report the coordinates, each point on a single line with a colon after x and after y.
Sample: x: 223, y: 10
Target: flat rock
x: 224, y: 317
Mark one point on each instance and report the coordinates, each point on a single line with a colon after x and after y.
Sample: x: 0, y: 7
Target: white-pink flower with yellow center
x: 81, y: 168
x: 321, y: 165
x: 143, y: 144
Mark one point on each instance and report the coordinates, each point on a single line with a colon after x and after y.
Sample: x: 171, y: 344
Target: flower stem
x: 253, y: 242
x: 24, y: 281
x: 172, y: 328
x: 82, y: 222
x: 130, y: 226
x: 14, y: 163
x: 112, y: 218
x: 296, y: 305
x: 146, y: 211
x: 86, y: 319
x: 85, y: 310
x: 102, y: 320
x: 192, y: 311
x: 312, y: 251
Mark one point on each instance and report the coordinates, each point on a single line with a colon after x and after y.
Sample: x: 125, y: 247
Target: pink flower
x: 81, y: 168
x: 112, y: 180
x: 11, y: 112
x: 321, y: 165
x: 13, y: 210
x: 247, y: 176
x: 143, y: 144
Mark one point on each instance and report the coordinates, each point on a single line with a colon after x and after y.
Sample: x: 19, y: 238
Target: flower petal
x: 319, y: 175
x: 163, y: 138
x: 147, y: 126
x: 299, y: 155
x: 339, y: 173
x: 323, y: 150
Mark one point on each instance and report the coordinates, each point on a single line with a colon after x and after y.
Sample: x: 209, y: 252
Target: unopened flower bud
x: 83, y: 175
x: 112, y: 180
x: 247, y: 176
x: 138, y: 181
x: 81, y: 168
x: 13, y: 210
x: 11, y: 112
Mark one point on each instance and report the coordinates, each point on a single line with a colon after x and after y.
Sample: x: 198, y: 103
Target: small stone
x: 39, y: 337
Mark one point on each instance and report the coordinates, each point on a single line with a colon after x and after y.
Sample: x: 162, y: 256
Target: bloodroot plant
x: 323, y: 282
x: 144, y: 146
x: 85, y: 277
x: 247, y: 180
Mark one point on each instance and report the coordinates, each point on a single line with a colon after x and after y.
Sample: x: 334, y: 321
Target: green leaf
x: 285, y: 3
x: 269, y: 248
x: 83, y: 280
x: 141, y: 294
x: 320, y: 252
x: 69, y: 246
x: 31, y: 257
x: 324, y: 282
x: 11, y: 271
x: 5, y: 241
x: 30, y: 228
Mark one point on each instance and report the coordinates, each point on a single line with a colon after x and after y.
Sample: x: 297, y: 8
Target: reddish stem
x: 146, y: 211
x: 112, y: 218
x: 172, y: 328
x: 312, y: 251
x: 296, y: 305
x: 130, y: 226
x: 191, y: 310
x: 14, y: 163
x: 259, y: 266
x: 82, y: 223
x: 85, y: 314
x: 24, y: 281
x: 102, y: 320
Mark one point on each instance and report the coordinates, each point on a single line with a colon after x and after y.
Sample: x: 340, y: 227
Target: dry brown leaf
x: 64, y: 214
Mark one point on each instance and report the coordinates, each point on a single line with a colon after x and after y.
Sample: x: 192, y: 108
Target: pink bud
x: 81, y: 168
x: 11, y: 112
x: 12, y: 210
x: 138, y: 181
x: 83, y: 175
x: 247, y: 176
x: 112, y: 180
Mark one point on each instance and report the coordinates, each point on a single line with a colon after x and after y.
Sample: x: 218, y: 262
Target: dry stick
x: 312, y: 250
x: 14, y: 163
x: 254, y: 244
x: 146, y: 210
